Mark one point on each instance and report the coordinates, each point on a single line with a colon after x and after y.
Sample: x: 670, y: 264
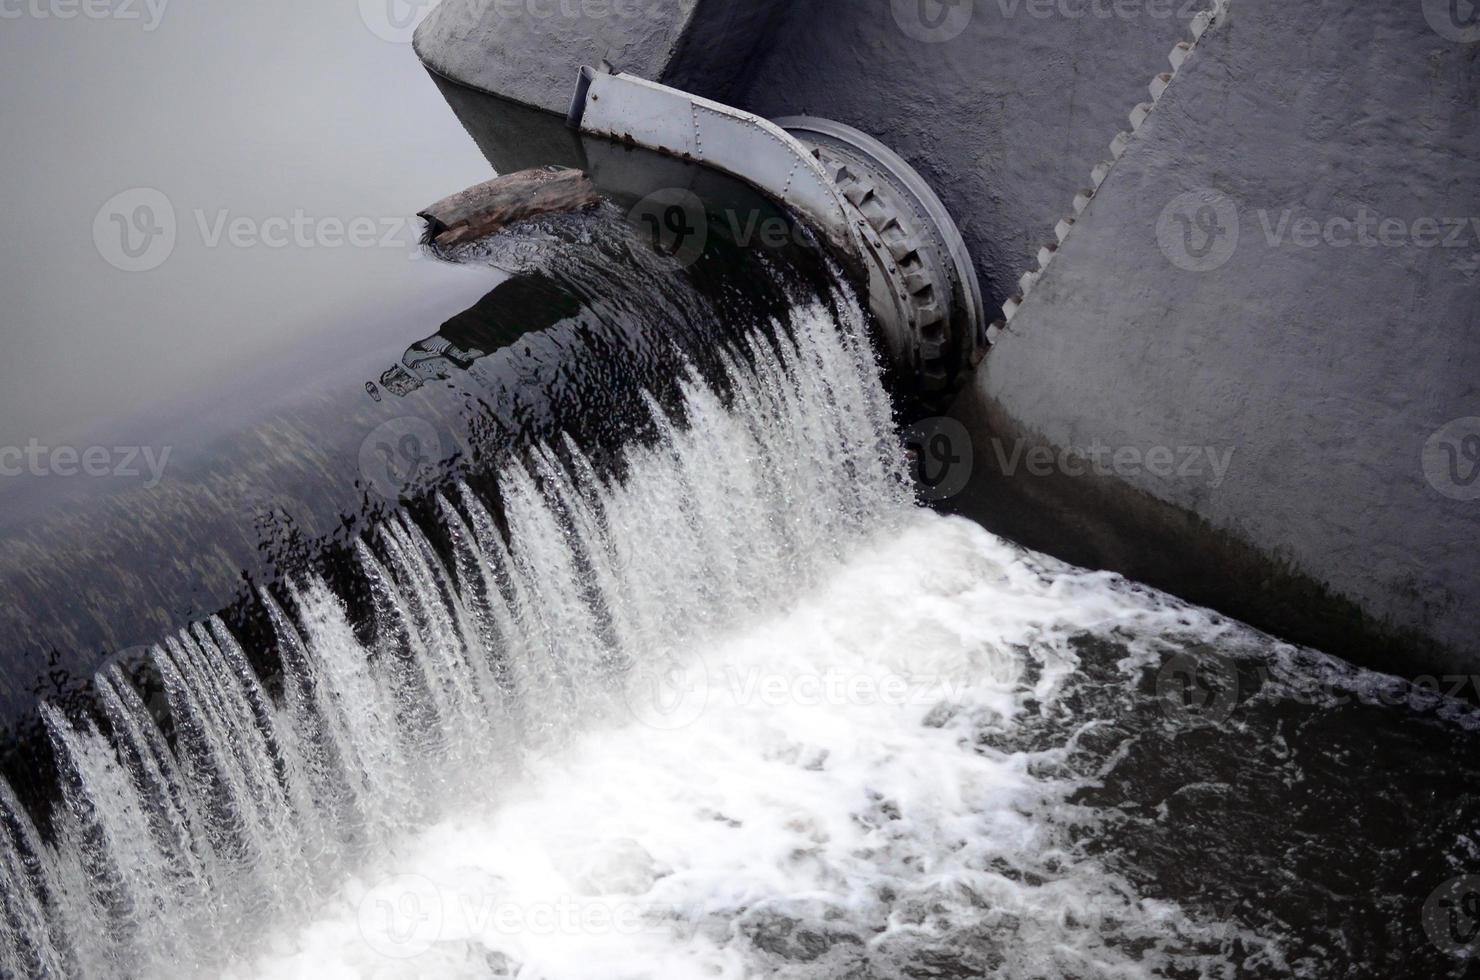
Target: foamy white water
x: 743, y: 711
x: 808, y: 796
x: 172, y: 855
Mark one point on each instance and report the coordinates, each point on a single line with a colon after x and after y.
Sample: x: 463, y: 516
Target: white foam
x: 743, y: 711
x: 812, y: 798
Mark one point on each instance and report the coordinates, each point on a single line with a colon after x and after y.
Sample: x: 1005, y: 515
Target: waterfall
x: 171, y: 850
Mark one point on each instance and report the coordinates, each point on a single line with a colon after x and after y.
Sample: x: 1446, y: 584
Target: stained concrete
x: 1323, y: 367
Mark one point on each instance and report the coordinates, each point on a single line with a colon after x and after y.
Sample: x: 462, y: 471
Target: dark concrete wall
x: 1325, y: 368
x: 531, y: 50
x: 1005, y: 118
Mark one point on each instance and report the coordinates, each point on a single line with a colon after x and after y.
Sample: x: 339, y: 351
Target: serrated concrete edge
x: 1138, y: 115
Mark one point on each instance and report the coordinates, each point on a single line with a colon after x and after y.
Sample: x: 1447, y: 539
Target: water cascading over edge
x: 554, y: 609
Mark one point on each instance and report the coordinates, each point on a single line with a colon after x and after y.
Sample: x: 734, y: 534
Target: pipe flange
x: 923, y: 286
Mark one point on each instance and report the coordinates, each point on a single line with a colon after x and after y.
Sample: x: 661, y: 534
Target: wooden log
x: 491, y: 206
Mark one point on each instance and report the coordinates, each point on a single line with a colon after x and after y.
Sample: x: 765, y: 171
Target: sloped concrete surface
x: 531, y: 50
x: 1005, y: 107
x: 1233, y: 286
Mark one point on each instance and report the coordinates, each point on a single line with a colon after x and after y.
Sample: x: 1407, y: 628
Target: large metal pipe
x: 864, y: 199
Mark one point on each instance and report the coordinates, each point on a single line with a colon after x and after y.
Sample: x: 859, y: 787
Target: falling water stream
x: 727, y: 702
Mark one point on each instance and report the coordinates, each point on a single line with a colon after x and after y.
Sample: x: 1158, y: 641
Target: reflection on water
x: 579, y: 314
x: 521, y: 305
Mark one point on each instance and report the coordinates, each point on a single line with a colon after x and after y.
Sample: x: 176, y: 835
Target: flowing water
x: 727, y: 703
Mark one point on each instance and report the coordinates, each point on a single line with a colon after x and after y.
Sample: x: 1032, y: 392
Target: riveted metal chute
x: 865, y: 201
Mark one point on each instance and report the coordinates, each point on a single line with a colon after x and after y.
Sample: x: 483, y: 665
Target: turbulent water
x: 738, y: 708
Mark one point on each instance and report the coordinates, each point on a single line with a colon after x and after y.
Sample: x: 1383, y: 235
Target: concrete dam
x: 1232, y: 345
x: 727, y: 489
